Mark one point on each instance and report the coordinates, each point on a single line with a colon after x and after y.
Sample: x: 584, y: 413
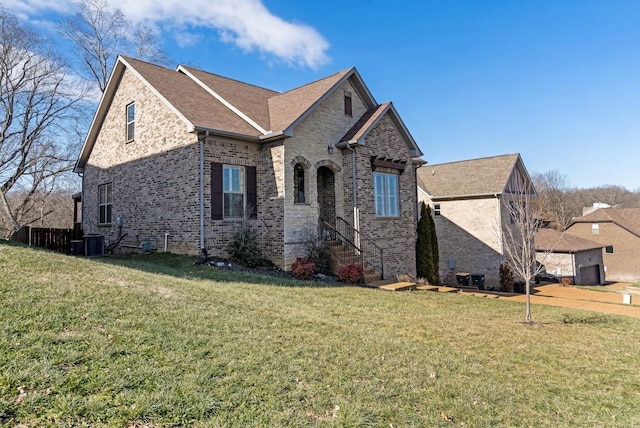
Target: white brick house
x: 184, y: 154
x: 467, y: 200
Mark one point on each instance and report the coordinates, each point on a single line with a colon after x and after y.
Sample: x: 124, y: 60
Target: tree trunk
x: 528, y: 318
x: 5, y: 212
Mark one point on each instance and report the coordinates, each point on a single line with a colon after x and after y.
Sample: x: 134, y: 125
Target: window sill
x: 307, y: 204
x: 105, y: 224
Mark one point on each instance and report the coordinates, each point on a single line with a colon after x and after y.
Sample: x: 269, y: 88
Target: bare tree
x: 518, y: 236
x: 553, y: 200
x: 37, y: 111
x: 101, y: 34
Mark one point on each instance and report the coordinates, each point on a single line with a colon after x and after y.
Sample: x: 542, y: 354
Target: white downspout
x: 201, y: 141
x: 356, y: 212
x: 500, y: 232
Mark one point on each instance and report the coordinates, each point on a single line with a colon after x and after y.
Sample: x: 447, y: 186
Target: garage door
x: 590, y: 275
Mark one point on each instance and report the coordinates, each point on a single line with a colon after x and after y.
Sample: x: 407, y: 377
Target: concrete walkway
x: 608, y: 301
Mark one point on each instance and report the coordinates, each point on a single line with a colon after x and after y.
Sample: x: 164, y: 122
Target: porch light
x: 330, y: 149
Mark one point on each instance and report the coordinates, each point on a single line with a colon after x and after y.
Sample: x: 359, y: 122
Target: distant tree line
x: 558, y: 203
x: 46, y: 104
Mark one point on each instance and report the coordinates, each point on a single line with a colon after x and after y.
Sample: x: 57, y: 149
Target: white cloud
x: 246, y: 23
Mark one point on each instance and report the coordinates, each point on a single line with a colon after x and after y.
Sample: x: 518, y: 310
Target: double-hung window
x: 385, y: 194
x: 105, y: 201
x: 233, y: 191
x: 131, y: 121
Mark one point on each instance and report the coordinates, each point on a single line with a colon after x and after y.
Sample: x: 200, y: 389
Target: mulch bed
x: 220, y: 263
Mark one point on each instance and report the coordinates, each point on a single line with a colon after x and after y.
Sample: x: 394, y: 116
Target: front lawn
x: 153, y: 340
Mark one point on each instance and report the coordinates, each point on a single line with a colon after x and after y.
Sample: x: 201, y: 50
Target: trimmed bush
x: 506, y: 279
x: 351, y: 274
x: 303, y: 269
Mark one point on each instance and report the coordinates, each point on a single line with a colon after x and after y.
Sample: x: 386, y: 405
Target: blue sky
x: 556, y: 80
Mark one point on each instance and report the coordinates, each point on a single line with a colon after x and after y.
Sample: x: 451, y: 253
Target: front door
x: 326, y: 195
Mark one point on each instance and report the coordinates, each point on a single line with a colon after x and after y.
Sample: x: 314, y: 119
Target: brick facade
x: 623, y: 264
x: 155, y: 179
x: 469, y: 237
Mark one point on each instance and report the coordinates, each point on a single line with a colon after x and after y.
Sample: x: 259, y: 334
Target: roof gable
x: 626, y: 218
x: 290, y: 108
x: 558, y: 242
x: 475, y: 177
x: 358, y: 133
x: 181, y: 94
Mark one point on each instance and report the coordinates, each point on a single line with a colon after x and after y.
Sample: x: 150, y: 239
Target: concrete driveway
x: 608, y: 301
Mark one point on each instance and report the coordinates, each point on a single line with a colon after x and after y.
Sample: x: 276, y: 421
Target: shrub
x: 506, y: 279
x: 566, y: 281
x: 351, y: 273
x: 318, y: 252
x: 244, y: 249
x: 303, y: 269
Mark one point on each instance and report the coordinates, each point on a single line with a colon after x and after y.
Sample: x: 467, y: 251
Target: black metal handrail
x: 354, y: 247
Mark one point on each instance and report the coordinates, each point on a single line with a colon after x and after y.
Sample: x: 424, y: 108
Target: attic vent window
x: 131, y: 117
x: 436, y: 209
x: 348, y: 111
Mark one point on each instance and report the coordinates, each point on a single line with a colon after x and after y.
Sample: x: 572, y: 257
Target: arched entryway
x: 326, y: 194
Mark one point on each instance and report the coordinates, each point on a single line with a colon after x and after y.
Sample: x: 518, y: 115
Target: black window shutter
x: 252, y: 196
x: 216, y: 191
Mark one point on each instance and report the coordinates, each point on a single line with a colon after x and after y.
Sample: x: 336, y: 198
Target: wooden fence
x: 58, y: 240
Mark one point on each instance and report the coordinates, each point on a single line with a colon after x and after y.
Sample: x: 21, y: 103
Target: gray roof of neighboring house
x: 626, y: 218
x: 208, y: 102
x: 475, y: 177
x: 558, y: 242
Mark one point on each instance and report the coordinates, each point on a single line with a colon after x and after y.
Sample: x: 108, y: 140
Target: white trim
x: 223, y: 101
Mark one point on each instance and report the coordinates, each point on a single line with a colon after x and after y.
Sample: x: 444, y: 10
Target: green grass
x: 153, y: 340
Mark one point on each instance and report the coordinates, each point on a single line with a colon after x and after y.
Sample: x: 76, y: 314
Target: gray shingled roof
x: 558, y: 242
x: 473, y: 177
x: 627, y: 218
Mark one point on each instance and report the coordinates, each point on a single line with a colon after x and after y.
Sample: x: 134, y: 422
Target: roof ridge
x: 475, y: 159
x: 276, y: 93
x: 345, y: 71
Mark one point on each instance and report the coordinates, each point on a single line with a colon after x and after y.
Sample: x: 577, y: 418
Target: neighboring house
x: 618, y: 230
x: 569, y: 256
x: 182, y: 156
x: 469, y: 202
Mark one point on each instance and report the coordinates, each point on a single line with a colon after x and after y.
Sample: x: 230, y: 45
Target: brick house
x: 569, y: 256
x: 618, y: 231
x: 182, y: 156
x: 468, y: 201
